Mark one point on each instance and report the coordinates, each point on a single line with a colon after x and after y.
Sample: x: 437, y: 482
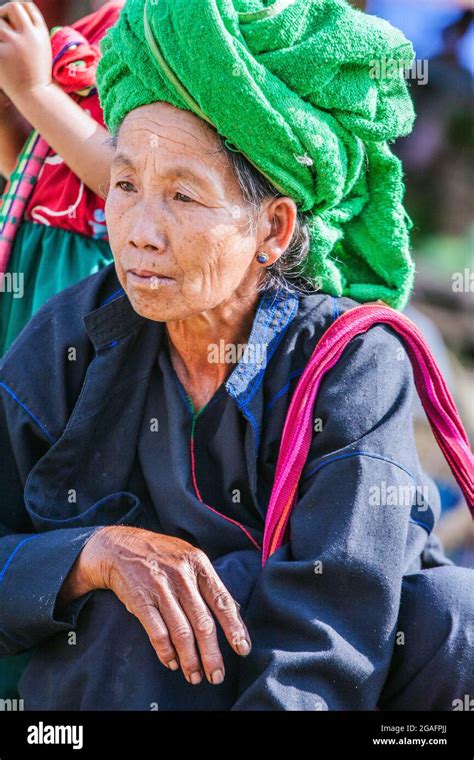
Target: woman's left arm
x: 323, y: 614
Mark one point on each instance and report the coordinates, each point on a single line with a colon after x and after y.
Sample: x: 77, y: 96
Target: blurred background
x: 439, y: 165
x: 438, y: 159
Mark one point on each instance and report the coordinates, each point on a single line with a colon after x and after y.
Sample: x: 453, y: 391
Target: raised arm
x: 25, y: 77
x: 14, y: 130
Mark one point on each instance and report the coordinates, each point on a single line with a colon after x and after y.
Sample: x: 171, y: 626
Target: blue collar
x: 275, y: 311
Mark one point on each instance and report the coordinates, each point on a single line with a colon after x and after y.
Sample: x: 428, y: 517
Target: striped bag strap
x: 298, y: 429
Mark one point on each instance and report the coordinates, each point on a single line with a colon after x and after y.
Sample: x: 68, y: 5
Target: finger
x: 223, y: 606
x: 35, y: 14
x: 28, y: 9
x: 155, y: 627
x: 7, y: 33
x: 205, y: 631
x: 181, y: 634
x: 16, y: 16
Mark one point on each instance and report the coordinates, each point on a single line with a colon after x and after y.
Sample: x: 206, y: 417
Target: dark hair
x: 286, y: 272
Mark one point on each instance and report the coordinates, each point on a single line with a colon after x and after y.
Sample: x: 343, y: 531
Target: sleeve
x: 33, y: 565
x: 323, y: 614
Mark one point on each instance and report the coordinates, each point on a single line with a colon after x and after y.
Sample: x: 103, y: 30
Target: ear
x: 278, y: 225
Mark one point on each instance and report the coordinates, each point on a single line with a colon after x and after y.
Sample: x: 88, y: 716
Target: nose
x: 146, y: 233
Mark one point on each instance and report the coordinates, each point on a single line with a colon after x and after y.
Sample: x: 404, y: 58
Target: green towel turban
x: 311, y: 92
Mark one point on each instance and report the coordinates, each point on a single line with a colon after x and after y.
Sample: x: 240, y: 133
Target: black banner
x: 83, y: 734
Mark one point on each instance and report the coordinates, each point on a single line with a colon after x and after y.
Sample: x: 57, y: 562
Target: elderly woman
x: 252, y: 199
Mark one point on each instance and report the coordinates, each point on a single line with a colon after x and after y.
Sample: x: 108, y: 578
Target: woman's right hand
x: 173, y: 590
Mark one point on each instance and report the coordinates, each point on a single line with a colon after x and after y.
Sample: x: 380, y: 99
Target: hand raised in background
x: 25, y: 49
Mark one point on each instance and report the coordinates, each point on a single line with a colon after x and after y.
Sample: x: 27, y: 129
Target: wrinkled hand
x: 25, y: 50
x: 174, y: 591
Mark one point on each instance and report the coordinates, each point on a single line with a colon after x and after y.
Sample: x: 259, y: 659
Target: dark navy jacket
x: 95, y: 429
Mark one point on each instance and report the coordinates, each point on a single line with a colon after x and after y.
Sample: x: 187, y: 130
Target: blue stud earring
x: 262, y: 257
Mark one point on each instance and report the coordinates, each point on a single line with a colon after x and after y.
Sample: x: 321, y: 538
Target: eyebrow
x: 183, y: 172
x: 121, y: 158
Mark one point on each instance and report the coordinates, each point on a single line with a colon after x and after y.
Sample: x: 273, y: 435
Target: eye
x: 183, y: 198
x: 127, y: 187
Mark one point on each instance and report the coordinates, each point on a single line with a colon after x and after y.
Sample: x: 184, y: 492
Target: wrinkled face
x: 177, y: 221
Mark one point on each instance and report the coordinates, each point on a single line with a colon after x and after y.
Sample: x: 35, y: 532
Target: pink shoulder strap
x: 298, y: 430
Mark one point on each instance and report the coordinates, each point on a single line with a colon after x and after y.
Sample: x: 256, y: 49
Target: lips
x: 147, y: 273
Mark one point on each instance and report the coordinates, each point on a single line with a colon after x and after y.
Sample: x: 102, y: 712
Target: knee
x: 440, y: 599
x: 431, y: 669
x: 437, y: 612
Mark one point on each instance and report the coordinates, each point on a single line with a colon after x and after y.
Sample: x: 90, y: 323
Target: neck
x: 195, y: 342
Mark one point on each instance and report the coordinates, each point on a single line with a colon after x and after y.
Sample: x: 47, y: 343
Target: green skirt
x: 44, y: 260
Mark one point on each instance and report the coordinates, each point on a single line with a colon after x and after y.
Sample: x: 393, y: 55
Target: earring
x: 262, y: 257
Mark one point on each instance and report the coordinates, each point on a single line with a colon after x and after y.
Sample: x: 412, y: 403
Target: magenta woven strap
x: 298, y: 430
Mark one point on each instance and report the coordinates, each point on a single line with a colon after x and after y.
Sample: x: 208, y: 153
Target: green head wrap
x: 311, y: 92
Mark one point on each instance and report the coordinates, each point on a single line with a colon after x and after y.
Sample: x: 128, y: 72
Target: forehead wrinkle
x: 213, y: 177
x: 210, y: 156
x: 207, y: 138
x: 203, y: 140
x: 174, y: 147
x: 122, y: 158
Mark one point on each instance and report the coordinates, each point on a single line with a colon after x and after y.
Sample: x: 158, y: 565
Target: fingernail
x: 217, y: 676
x: 195, y: 677
x: 243, y: 646
x: 173, y: 665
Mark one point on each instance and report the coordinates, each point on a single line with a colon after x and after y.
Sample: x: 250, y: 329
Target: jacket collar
x: 115, y: 318
x: 275, y: 311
